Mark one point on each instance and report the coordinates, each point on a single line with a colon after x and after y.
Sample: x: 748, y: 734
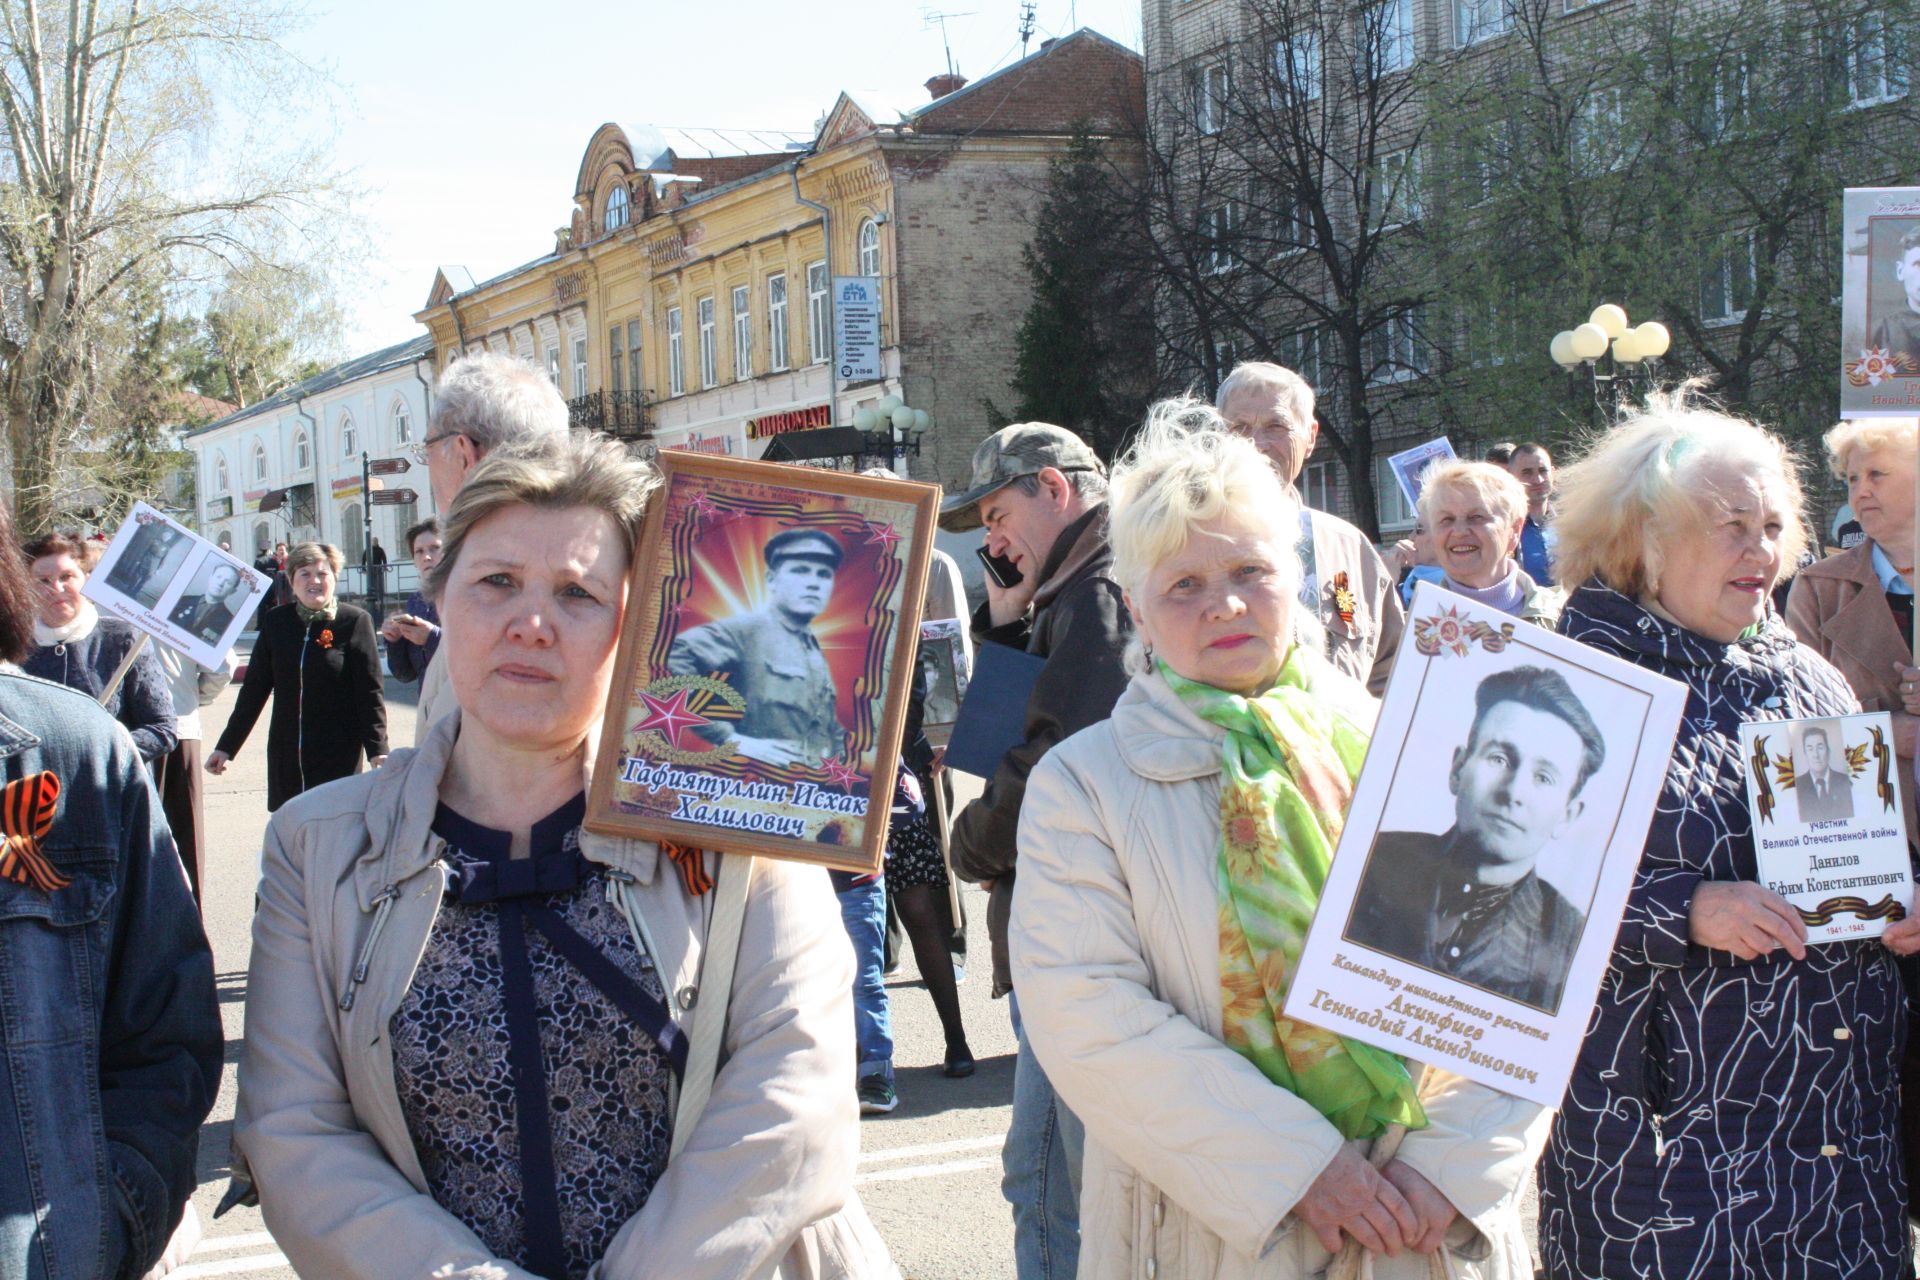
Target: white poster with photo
x: 1824, y: 796
x: 1880, y: 303
x: 946, y: 660
x: 1470, y: 911
x: 1410, y: 466
x: 176, y: 586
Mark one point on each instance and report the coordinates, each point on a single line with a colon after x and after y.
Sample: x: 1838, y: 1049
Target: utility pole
x: 1026, y: 25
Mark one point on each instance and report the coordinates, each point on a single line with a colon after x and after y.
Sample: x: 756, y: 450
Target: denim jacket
x: 110, y: 1038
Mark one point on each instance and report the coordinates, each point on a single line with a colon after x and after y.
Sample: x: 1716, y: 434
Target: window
x: 1288, y: 227
x: 709, y: 355
x: 619, y: 207
x: 1296, y: 68
x: 353, y: 533
x: 1396, y: 188
x: 349, y: 438
x: 262, y: 536
x: 1386, y: 36
x: 1727, y: 285
x: 742, y: 335
x: 777, y: 322
x: 616, y: 358
x: 453, y: 353
x: 579, y: 367
x: 1394, y: 512
x: 819, y: 338
x: 402, y: 423
x: 1720, y: 95
x: 1490, y: 331
x: 1218, y: 225
x: 553, y: 364
x: 1872, y: 56
x: 1395, y: 349
x: 1599, y: 131
x: 869, y: 247
x: 1226, y: 354
x: 1476, y: 20
x: 1488, y: 161
x: 1209, y: 87
x: 222, y: 480
x: 1319, y: 487
x: 1300, y: 352
x: 302, y: 450
x: 676, y: 366
x: 634, y: 380
x: 259, y: 463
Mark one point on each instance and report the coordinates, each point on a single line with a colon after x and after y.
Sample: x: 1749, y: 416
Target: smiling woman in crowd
x: 316, y: 659
x: 464, y: 1012
x: 1733, y: 1111
x: 1223, y: 1139
x: 1473, y: 513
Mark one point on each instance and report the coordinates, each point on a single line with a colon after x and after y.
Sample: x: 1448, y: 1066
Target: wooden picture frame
x: 760, y: 688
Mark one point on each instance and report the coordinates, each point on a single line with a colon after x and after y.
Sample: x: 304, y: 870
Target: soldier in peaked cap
x: 772, y: 657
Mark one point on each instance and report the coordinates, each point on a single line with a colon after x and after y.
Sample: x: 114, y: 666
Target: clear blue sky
x: 465, y: 123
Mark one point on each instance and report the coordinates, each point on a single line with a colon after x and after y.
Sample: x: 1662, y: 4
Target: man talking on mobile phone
x: 1040, y: 492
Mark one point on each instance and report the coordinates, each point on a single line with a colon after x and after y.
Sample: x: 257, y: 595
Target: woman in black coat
x: 317, y: 658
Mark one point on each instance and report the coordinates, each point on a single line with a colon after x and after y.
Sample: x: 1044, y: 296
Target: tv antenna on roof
x: 933, y: 17
x: 1026, y: 25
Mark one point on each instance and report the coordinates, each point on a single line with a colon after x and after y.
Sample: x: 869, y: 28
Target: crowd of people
x: 474, y: 1028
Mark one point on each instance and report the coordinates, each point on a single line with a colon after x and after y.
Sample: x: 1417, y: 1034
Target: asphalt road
x: 929, y: 1172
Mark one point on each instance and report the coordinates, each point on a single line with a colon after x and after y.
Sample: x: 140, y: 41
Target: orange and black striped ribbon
x: 26, y: 816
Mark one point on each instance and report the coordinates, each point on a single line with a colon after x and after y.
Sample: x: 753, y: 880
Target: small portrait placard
x: 763, y: 674
x: 1470, y: 910
x: 1824, y: 796
x: 1880, y: 303
x: 176, y: 586
x: 945, y: 659
x: 1410, y: 466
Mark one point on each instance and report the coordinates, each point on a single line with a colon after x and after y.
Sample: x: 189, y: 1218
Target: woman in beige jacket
x: 1170, y: 858
x: 465, y: 1014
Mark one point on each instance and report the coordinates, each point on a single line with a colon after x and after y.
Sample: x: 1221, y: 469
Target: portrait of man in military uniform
x: 773, y: 658
x: 1470, y: 902
x: 143, y: 571
x: 209, y: 612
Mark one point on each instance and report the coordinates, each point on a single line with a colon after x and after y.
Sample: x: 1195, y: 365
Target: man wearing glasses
x: 480, y: 403
x: 1344, y: 584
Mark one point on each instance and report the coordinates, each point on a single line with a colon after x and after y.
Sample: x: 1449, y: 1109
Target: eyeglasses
x: 418, y: 452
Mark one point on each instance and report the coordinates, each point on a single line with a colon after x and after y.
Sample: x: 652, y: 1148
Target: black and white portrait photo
x: 152, y: 557
x: 213, y: 597
x: 1470, y: 901
x: 772, y: 656
x: 1821, y: 783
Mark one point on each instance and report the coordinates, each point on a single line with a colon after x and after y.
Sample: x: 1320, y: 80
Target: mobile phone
x: 1002, y: 570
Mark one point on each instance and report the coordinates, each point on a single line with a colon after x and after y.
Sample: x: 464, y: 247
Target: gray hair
x: 494, y: 400
x: 1087, y: 484
x: 549, y: 472
x: 1295, y: 392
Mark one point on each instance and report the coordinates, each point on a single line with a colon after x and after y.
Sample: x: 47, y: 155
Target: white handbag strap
x: 732, y: 879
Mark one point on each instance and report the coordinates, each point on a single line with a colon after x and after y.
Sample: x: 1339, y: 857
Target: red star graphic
x: 701, y: 505
x: 838, y: 774
x: 882, y: 535
x: 669, y: 716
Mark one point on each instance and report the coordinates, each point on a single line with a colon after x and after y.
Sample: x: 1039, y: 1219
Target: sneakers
x: 877, y: 1096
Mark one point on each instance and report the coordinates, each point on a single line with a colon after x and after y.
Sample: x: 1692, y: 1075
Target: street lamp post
x: 1607, y: 336
x: 892, y: 427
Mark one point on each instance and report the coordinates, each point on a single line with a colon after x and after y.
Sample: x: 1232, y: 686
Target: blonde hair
x: 302, y: 554
x: 550, y: 472
x: 1184, y: 469
x: 1494, y: 486
x: 1872, y: 435
x: 1640, y: 485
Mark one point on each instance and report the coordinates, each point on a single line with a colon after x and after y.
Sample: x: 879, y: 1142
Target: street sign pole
x: 366, y: 534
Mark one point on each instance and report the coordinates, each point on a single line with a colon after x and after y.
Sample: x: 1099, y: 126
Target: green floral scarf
x: 324, y: 613
x: 1287, y: 779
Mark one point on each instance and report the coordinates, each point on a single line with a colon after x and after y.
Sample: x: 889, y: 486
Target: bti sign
x: 856, y: 314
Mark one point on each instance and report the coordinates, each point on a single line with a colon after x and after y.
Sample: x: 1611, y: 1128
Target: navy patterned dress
x: 1726, y: 1118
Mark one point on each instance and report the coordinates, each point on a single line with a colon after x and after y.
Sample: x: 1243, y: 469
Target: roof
x: 380, y: 361
x: 1014, y: 105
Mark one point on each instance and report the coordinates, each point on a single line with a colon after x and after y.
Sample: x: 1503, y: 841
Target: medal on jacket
x: 1344, y: 601
x: 26, y: 815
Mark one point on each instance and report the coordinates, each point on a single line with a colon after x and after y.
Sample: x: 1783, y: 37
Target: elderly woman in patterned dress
x: 1734, y: 1110
x: 465, y: 1013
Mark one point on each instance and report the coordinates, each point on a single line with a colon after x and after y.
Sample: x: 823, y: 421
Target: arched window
x: 222, y: 480
x: 402, y: 423
x: 869, y: 245
x: 302, y: 450
x: 259, y: 462
x: 619, y: 208
x: 353, y: 532
x: 349, y: 439
x: 262, y: 537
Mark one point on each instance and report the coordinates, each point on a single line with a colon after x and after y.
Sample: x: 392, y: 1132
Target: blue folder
x: 993, y: 716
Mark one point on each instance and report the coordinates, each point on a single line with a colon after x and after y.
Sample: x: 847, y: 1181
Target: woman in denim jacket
x: 110, y: 1040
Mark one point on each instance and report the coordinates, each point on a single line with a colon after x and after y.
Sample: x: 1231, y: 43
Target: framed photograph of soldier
x: 1880, y: 303
x: 763, y: 676
x: 944, y: 663
x: 1470, y: 910
x: 1824, y: 796
x: 176, y: 586
x: 1410, y: 466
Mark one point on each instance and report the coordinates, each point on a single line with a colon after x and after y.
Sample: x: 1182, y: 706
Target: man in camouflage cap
x: 772, y: 657
x: 1041, y: 494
